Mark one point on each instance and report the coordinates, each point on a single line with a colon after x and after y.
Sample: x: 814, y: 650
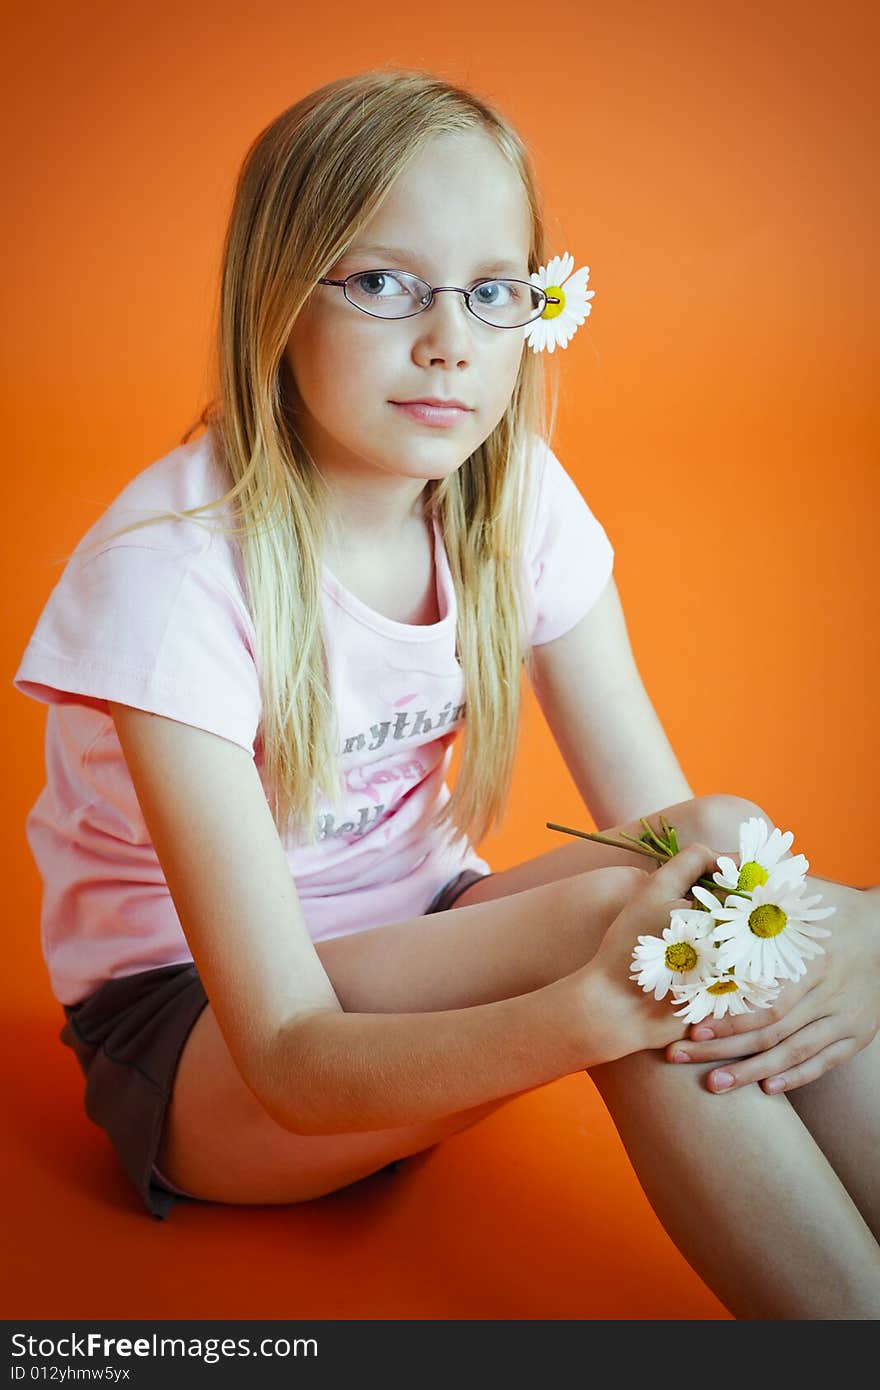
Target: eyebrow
x: 406, y: 253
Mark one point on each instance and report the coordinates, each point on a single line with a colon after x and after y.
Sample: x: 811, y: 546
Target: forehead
x: 459, y: 201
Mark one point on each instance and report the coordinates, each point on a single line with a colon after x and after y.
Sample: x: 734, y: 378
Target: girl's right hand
x: 620, y: 1017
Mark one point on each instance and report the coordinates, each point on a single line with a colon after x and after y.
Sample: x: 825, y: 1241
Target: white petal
x: 728, y: 867
x: 704, y: 896
x: 753, y: 834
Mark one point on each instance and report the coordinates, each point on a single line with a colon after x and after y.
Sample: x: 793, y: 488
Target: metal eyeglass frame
x: 438, y: 289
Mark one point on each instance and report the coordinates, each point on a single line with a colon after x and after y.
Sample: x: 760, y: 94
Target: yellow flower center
x: 767, y: 920
x: 723, y: 987
x: 751, y: 873
x: 551, y: 311
x: 680, y: 956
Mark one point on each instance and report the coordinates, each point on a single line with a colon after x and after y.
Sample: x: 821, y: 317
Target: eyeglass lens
x: 395, y: 294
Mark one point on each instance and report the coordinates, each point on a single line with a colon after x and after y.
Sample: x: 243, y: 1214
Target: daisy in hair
x: 559, y: 322
x: 684, y: 954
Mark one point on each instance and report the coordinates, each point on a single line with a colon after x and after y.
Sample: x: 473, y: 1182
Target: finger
x: 814, y: 1067
x: 730, y: 1026
x: 759, y: 1038
x: 675, y: 878
x: 755, y: 1038
x: 734, y: 1025
x: 740, y: 1045
x: 793, y: 1052
x: 679, y: 905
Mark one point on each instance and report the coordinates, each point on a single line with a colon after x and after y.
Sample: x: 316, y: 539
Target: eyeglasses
x: 501, y: 303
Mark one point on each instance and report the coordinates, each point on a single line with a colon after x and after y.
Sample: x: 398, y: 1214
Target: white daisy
x: 722, y: 994
x: 685, y: 952
x: 770, y: 934
x: 559, y: 322
x: 760, y: 851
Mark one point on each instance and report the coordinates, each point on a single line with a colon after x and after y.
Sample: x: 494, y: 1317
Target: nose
x: 445, y: 326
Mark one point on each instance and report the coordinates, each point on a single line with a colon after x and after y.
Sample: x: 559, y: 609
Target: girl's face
x: 458, y: 213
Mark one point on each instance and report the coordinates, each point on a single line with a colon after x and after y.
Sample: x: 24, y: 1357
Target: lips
x: 435, y: 400
x: 441, y: 416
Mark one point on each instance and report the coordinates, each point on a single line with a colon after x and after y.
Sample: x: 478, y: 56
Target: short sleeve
x: 569, y: 555
x: 151, y: 628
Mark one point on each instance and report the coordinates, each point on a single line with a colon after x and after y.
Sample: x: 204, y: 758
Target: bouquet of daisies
x: 731, y: 951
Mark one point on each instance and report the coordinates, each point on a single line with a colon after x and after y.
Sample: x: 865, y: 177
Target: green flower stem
x: 639, y: 847
x: 649, y: 828
x: 641, y: 843
x: 667, y: 828
x: 669, y: 832
x: 636, y: 846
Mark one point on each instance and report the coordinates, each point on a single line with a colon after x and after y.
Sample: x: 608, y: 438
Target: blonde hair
x: 309, y: 183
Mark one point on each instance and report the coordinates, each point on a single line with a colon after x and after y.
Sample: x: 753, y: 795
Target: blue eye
x: 361, y: 287
x: 497, y: 294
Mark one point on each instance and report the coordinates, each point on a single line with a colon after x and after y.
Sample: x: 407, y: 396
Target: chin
x: 428, y: 458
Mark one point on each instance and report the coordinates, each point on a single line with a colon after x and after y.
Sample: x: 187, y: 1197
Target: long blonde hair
x: 308, y: 184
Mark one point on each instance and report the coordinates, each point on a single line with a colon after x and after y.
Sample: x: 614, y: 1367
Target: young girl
x: 282, y: 963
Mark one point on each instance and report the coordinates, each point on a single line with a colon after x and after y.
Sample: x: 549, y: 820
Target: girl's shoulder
x: 154, y: 617
x: 568, y: 553
x: 186, y: 478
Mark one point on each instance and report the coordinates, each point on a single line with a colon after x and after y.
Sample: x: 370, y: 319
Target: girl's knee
x: 716, y: 818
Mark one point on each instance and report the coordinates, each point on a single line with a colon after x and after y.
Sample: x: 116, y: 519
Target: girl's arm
x: 342, y: 1072
x: 373, y: 1071
x: 590, y: 691
x: 313, y: 1067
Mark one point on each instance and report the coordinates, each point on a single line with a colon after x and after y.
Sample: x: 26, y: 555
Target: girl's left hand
x: 818, y: 1021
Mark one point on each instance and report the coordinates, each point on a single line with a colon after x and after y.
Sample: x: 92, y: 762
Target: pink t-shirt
x: 157, y: 619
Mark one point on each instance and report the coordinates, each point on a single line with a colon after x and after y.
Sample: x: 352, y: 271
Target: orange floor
x: 535, y: 1213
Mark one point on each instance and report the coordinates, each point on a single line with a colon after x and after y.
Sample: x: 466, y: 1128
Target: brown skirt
x: 128, y: 1037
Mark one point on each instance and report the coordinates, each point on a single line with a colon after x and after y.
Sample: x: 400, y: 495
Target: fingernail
x: 722, y: 1080
x: 702, y: 1034
x: 776, y: 1083
x: 680, y: 1057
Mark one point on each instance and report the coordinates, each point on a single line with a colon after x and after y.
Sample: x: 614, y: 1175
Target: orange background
x: 716, y: 169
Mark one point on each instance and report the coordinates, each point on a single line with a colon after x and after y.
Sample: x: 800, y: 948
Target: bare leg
x: 840, y: 1110
x: 748, y: 1195
x: 220, y: 1144
x: 744, y: 1192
